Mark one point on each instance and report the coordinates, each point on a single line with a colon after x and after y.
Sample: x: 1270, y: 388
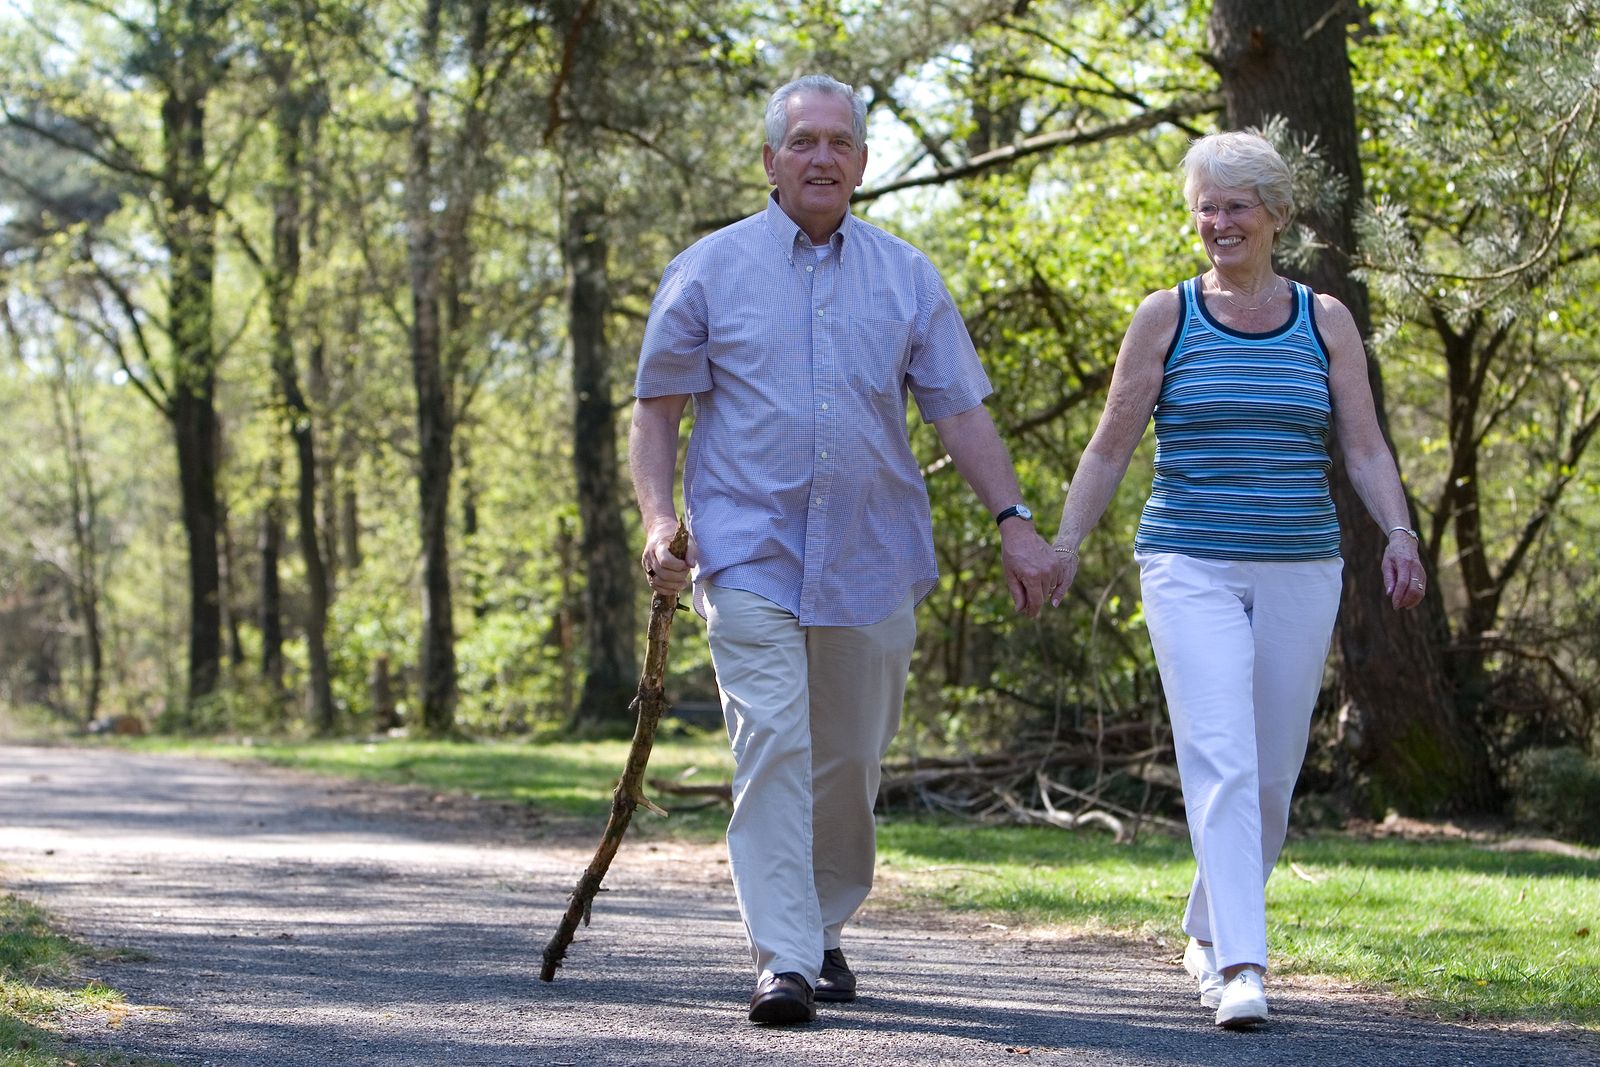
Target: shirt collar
x: 788, y: 232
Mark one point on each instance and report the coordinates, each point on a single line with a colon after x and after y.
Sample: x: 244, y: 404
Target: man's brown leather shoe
x: 836, y: 983
x: 782, y: 999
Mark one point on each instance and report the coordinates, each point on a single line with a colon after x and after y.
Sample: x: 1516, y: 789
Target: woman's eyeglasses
x: 1233, y: 208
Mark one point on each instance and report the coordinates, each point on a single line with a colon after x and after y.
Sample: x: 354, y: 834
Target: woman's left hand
x: 1404, y: 580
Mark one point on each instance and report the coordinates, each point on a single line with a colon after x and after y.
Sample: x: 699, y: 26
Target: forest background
x: 319, y: 318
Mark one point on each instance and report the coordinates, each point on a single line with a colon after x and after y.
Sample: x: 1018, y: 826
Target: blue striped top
x: 1242, y: 429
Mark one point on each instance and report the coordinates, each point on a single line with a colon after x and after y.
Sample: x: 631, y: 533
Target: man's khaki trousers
x: 810, y: 714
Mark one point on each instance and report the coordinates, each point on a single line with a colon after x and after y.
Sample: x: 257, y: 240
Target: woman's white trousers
x: 1241, y: 646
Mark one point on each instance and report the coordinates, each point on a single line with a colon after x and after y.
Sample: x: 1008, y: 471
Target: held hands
x: 1034, y: 573
x: 1404, y: 580
x: 665, y: 572
x: 1067, y: 557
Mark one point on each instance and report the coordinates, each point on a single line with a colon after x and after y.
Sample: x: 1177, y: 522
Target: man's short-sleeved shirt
x: 800, y: 484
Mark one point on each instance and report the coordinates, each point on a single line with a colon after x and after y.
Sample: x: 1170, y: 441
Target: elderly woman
x: 1248, y: 375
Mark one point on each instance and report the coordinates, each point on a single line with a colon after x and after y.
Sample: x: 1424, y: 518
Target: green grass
x: 566, y: 780
x: 1450, y: 926
x: 1456, y: 928
x: 36, y: 987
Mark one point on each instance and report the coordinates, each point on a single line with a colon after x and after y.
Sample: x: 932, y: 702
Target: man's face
x: 818, y: 165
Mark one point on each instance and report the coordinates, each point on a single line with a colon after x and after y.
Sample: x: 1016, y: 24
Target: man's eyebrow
x: 818, y: 131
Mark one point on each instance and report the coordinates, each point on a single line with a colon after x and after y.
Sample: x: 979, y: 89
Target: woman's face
x: 1235, y: 227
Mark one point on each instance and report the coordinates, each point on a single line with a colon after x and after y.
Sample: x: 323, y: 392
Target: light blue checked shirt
x: 800, y: 483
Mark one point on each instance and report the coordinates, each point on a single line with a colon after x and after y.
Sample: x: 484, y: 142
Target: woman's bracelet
x: 1408, y: 531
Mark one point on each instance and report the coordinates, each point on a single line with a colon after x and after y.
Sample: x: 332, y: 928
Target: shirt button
x: 818, y: 501
x: 819, y: 313
x: 824, y: 455
x: 824, y: 406
x: 810, y: 269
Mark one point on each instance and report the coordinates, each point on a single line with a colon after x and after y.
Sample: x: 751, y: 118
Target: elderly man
x: 798, y: 332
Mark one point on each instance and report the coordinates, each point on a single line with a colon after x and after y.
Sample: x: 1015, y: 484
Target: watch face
x: 1023, y: 512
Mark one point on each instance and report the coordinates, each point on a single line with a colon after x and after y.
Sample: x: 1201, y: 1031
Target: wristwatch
x: 1018, y: 511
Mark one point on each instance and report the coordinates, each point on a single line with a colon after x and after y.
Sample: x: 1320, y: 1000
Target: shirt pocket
x: 879, y: 357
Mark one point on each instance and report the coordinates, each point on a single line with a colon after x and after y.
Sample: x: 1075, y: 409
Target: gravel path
x: 282, y: 920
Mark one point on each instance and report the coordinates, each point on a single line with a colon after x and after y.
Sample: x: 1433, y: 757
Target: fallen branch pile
x: 1031, y: 785
x: 708, y: 794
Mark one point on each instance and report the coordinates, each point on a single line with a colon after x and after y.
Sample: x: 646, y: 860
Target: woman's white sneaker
x: 1201, y: 963
x: 1244, y: 1002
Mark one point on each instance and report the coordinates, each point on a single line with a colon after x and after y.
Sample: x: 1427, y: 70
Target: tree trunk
x: 435, y: 424
x: 612, y: 583
x: 269, y: 546
x: 86, y: 562
x: 466, y: 180
x: 1288, y: 57
x: 319, y: 392
x: 191, y: 246
x: 476, y: 579
x: 380, y: 693
x: 95, y: 648
x: 232, y: 571
x: 350, y: 527
x: 1460, y: 509
x: 194, y: 427
x: 318, y: 593
x: 84, y: 501
x: 567, y: 560
x: 284, y: 274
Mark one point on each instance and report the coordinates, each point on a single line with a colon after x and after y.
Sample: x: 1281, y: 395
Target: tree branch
x: 130, y: 311
x: 1565, y: 469
x: 1047, y: 142
x: 569, y: 49
x: 116, y: 166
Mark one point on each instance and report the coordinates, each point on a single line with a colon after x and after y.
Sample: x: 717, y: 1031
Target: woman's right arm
x: 1135, y: 385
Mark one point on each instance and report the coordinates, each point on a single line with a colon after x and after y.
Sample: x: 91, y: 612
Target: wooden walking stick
x: 650, y: 702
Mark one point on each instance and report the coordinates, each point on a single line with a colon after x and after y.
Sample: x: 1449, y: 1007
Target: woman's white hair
x: 777, y: 118
x: 1241, y: 159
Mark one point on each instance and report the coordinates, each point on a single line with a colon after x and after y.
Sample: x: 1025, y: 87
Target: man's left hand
x: 1035, y: 574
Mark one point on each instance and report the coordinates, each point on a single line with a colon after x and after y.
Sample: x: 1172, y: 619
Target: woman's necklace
x: 1272, y: 291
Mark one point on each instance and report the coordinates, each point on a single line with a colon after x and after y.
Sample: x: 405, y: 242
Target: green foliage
x: 1482, y: 122
x: 1558, y: 789
x: 66, y: 402
x: 246, y: 707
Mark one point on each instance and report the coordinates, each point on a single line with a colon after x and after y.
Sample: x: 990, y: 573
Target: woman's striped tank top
x: 1242, y: 430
